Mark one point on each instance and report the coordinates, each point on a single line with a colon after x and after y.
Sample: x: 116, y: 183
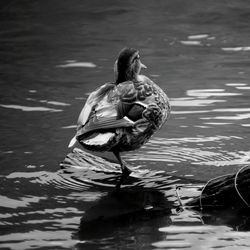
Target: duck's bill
x: 143, y: 66
x: 72, y: 142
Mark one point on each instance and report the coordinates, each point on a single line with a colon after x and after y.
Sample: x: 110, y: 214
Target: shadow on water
x: 79, y: 207
x: 125, y: 210
x: 146, y: 209
x: 141, y: 204
x: 53, y: 55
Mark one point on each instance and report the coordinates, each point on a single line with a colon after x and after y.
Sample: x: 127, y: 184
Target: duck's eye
x: 136, y: 58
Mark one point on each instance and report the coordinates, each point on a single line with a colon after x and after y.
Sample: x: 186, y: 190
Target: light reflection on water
x: 178, y: 151
x: 53, y: 56
x: 202, y: 237
x: 79, y: 213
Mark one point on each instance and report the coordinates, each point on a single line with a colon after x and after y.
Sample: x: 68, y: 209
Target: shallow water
x: 53, y: 54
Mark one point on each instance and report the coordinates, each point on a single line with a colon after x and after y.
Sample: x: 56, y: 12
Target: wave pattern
x: 209, y: 152
x: 202, y: 107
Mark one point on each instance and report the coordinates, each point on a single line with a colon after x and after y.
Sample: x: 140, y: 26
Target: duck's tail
x: 72, y: 142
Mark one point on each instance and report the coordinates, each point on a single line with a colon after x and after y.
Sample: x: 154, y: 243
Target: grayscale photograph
x: 124, y: 125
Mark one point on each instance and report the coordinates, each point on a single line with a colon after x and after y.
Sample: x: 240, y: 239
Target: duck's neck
x: 126, y: 76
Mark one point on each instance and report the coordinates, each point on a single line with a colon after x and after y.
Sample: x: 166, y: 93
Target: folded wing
x: 109, y: 107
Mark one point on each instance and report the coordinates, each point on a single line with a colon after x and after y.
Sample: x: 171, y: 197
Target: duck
x: 122, y: 115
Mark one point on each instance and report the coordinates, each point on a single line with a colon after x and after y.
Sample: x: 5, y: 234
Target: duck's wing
x: 111, y: 110
x: 93, y: 99
x: 120, y: 108
x: 109, y: 107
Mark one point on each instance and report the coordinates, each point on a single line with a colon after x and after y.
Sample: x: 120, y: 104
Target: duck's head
x: 128, y: 65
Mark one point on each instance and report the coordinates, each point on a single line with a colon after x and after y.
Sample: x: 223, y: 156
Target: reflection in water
x: 200, y: 98
x: 126, y: 209
x: 190, y: 229
x: 189, y: 102
x: 236, y: 117
x: 152, y: 206
x: 176, y: 151
x: 202, y: 237
x: 81, y: 199
x: 204, y: 93
x: 52, y: 55
x: 244, y: 88
x: 236, y: 84
x: 200, y: 36
x: 90, y: 170
x: 85, y: 185
x: 26, y: 108
x: 236, y: 49
x: 75, y: 64
x: 56, y: 103
x: 191, y: 42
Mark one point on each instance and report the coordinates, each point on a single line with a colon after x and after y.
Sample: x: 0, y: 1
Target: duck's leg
x: 125, y: 170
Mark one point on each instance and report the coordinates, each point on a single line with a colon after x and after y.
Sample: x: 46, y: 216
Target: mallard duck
x: 123, y: 115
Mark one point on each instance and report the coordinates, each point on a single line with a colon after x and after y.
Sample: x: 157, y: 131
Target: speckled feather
x: 129, y: 111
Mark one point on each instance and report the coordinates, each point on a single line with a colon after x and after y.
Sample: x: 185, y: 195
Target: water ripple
x: 235, y: 117
x: 203, y: 93
x: 56, y: 103
x: 236, y: 49
x: 197, y: 104
x: 180, y: 102
x: 93, y: 172
x: 75, y: 64
x: 202, y: 237
x: 198, y: 36
x: 179, y: 150
x: 28, y: 109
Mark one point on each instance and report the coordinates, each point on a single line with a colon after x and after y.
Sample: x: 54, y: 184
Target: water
x: 53, y: 54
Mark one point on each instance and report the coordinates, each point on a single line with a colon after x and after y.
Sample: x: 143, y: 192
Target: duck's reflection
x: 127, y: 210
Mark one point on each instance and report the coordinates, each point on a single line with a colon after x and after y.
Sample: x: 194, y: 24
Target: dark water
x: 52, y: 54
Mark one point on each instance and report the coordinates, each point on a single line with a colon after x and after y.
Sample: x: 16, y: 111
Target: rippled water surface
x: 52, y: 55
